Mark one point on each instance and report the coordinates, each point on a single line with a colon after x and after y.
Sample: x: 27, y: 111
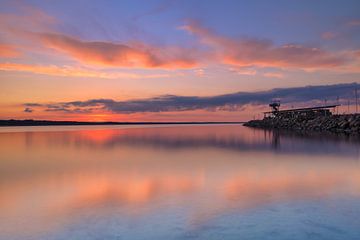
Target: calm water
x: 176, y: 182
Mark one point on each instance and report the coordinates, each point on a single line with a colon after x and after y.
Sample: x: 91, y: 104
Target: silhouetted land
x: 31, y: 122
x: 344, y: 123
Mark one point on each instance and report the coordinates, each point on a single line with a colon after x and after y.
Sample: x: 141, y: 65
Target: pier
x: 320, y: 118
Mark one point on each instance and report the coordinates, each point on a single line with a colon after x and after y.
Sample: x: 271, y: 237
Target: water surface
x: 176, y: 182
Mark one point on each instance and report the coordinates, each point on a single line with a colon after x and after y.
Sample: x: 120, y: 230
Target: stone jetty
x: 345, y: 123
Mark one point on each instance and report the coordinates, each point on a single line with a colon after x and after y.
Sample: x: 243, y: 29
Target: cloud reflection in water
x: 50, y: 179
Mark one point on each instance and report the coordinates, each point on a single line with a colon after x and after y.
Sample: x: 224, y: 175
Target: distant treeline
x: 31, y: 122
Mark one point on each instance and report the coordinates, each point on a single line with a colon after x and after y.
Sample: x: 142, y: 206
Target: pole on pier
x: 356, y: 100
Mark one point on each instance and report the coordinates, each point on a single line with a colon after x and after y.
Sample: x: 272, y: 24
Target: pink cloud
x: 25, y: 18
x: 264, y: 53
x: 328, y: 35
x: 243, y: 71
x: 355, y: 22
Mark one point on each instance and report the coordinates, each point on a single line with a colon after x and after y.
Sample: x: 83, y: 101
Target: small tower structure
x: 275, y: 105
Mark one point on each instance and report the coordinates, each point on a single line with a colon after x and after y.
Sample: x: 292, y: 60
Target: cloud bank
x: 227, y: 102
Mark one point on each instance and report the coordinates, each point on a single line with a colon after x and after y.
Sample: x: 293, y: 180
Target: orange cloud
x: 67, y: 71
x: 263, y: 53
x: 120, y: 55
x: 8, y: 51
x: 274, y: 75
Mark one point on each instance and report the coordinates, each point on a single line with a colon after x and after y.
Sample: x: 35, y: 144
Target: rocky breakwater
x: 349, y: 124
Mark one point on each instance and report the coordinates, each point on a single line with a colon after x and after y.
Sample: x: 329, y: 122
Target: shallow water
x: 176, y: 182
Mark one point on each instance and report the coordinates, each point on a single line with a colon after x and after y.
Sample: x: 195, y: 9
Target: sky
x: 172, y: 60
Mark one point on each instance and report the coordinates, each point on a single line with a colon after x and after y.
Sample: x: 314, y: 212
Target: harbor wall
x: 347, y: 123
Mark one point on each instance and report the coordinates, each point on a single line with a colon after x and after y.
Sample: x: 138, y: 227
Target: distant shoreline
x: 30, y: 122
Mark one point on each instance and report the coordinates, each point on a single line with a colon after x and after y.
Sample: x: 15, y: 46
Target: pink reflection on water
x: 49, y: 178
